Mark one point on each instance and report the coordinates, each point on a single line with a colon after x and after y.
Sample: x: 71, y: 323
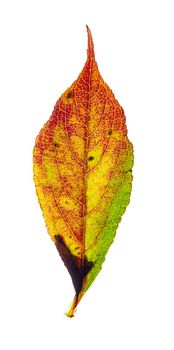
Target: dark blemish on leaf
x: 73, y: 264
x: 56, y: 144
x: 69, y: 95
x: 58, y: 238
x: 110, y: 132
x: 90, y: 158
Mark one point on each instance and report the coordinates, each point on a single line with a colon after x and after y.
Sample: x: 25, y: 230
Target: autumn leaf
x: 83, y: 173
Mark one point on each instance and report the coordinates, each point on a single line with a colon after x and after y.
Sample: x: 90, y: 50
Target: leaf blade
x: 82, y: 172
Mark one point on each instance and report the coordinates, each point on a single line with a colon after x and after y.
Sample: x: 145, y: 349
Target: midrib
x: 90, y: 62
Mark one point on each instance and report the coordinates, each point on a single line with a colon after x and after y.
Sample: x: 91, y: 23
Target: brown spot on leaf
x: 56, y: 144
x: 69, y: 95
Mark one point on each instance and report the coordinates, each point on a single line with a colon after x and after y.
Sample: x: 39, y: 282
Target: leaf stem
x: 72, y: 309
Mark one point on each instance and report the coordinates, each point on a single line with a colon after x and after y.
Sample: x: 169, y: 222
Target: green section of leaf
x: 121, y: 200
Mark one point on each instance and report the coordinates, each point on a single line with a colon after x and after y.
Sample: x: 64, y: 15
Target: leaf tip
x: 90, y: 50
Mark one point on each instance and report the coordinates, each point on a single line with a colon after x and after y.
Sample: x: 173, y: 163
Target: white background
x: 43, y: 48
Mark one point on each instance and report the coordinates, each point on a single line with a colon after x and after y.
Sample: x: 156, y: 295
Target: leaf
x: 83, y: 173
